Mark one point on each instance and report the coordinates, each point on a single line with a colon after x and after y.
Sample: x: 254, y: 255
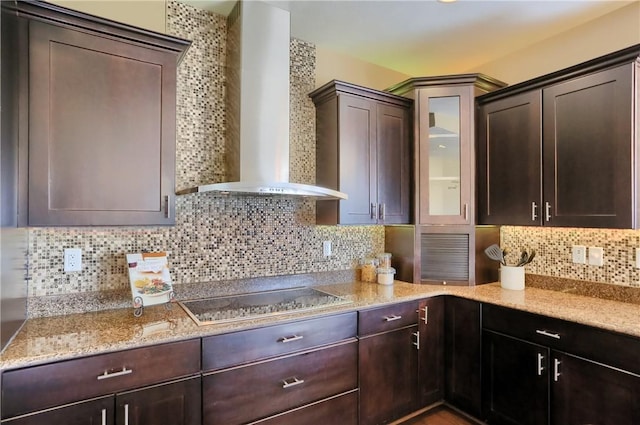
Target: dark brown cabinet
x: 463, y: 354
x: 176, y: 403
x: 539, y: 370
x: 97, y: 103
x: 431, y: 357
x: 286, y: 373
x: 389, y: 363
x: 363, y: 149
x: 561, y: 150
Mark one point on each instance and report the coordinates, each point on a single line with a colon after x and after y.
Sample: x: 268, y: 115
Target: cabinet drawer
x: 341, y: 410
x: 388, y: 318
x: 260, y: 390
x: 600, y: 345
x: 221, y: 351
x: 34, y: 388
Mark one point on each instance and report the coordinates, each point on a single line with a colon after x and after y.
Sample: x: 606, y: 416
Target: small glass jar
x: 385, y: 275
x: 384, y: 260
x: 368, y: 270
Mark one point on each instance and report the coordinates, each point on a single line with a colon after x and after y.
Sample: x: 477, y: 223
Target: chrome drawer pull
x: 426, y: 315
x: 556, y: 369
x: 417, y: 342
x: 286, y: 339
x: 126, y: 414
x: 540, y: 367
x: 292, y: 383
x: 534, y: 216
x: 107, y: 375
x: 547, y: 211
x: 547, y: 333
x: 104, y: 416
x: 392, y: 318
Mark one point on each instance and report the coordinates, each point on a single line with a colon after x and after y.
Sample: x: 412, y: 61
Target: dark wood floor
x: 441, y: 415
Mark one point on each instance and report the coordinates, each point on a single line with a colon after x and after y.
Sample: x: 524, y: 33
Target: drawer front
x: 388, y: 318
x: 257, y: 391
x: 342, y: 410
x: 222, y: 351
x: 600, y: 345
x: 34, y: 388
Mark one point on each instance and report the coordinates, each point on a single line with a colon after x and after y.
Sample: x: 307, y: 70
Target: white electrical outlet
x: 72, y: 260
x: 326, y: 248
x: 596, y: 256
x: 637, y: 258
x: 579, y: 254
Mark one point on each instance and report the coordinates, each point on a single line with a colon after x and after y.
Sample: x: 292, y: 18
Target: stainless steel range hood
x: 258, y: 106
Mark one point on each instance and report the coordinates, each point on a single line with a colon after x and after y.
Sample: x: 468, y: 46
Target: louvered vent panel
x: 445, y: 256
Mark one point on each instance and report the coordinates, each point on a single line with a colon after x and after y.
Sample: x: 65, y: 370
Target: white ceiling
x: 416, y: 37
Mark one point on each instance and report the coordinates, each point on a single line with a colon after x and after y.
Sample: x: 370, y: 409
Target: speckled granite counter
x: 56, y: 338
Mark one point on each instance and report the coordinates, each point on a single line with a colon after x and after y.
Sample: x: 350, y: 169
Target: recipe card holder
x: 150, y: 280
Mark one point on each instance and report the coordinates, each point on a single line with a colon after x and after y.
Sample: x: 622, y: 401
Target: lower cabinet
x: 389, y: 366
x: 531, y: 377
x: 431, y: 356
x: 339, y: 410
x: 176, y: 403
x: 463, y: 348
x: 255, y: 391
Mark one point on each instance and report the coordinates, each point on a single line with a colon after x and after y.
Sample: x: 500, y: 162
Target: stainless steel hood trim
x: 273, y: 189
x: 257, y: 106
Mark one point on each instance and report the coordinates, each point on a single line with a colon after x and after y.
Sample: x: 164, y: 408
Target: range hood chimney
x: 258, y: 106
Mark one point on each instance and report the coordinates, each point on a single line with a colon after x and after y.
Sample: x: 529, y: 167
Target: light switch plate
x: 595, y: 256
x: 579, y: 254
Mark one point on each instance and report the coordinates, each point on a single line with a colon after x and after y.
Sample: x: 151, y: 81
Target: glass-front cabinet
x: 445, y: 152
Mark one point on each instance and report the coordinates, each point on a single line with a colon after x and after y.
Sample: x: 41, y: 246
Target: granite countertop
x: 56, y: 338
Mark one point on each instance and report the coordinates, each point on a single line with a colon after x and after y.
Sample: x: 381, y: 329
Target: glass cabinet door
x: 444, y: 167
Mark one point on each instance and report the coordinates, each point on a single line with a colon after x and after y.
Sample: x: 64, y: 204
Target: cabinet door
x: 515, y: 381
x: 462, y: 362
x: 585, y: 392
x: 94, y: 412
x: 358, y: 159
x: 509, y: 160
x: 388, y: 376
x: 101, y: 130
x: 431, y: 359
x: 393, y: 164
x: 589, y: 150
x: 177, y: 403
x: 445, y: 153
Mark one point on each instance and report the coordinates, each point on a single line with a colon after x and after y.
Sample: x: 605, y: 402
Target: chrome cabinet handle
x: 534, y: 207
x: 373, y: 211
x: 392, y: 318
x: 540, y: 366
x: 126, y: 414
x: 417, y: 341
x: 286, y: 339
x: 107, y: 375
x: 547, y: 211
x: 556, y: 370
x: 426, y: 315
x: 547, y: 333
x: 382, y: 211
x: 104, y: 416
x: 465, y: 212
x: 167, y: 205
x: 291, y: 383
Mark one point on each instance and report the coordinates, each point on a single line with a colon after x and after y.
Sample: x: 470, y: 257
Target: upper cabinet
x: 444, y: 145
x: 561, y: 150
x: 363, y: 149
x: 97, y: 118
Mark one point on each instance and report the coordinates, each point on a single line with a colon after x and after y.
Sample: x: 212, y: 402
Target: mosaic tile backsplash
x: 215, y: 237
x: 553, y: 252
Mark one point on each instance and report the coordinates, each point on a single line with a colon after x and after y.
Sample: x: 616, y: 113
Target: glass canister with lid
x: 384, y: 260
x: 368, y: 269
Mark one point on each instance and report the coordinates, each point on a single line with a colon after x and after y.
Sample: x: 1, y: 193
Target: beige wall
x: 335, y: 66
x: 147, y: 14
x: 611, y: 32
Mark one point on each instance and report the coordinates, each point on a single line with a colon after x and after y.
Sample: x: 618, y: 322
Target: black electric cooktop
x: 258, y: 304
